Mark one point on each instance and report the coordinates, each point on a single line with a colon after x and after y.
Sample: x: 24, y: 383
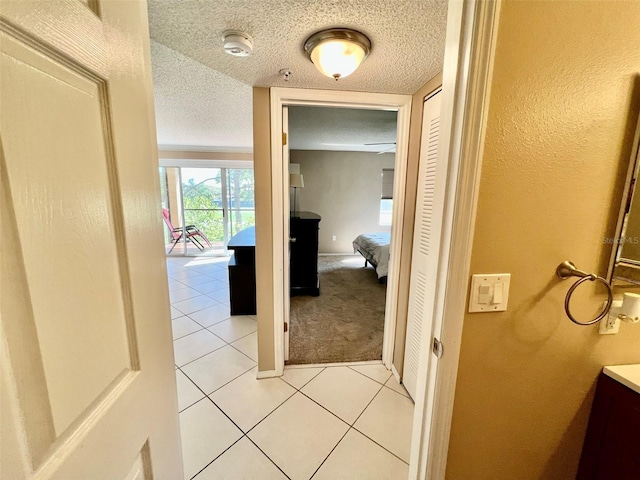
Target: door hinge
x: 438, y: 348
x: 286, y: 327
x: 284, y: 138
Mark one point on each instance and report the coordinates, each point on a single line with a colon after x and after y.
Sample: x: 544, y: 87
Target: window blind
x: 387, y: 184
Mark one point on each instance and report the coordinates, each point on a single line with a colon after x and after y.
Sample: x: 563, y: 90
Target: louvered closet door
x: 426, y: 242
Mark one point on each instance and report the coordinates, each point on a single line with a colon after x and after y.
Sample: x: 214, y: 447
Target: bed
x: 374, y: 247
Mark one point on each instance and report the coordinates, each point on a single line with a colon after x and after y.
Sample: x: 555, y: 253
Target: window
x: 218, y: 200
x: 386, y: 197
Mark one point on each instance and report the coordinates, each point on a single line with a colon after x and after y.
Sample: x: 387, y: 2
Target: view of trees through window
x: 218, y: 201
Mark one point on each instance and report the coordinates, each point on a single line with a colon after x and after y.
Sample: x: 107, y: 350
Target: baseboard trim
x: 396, y: 375
x: 267, y: 374
x: 336, y: 364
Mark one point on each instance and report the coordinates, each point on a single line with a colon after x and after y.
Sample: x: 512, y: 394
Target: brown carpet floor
x: 346, y: 322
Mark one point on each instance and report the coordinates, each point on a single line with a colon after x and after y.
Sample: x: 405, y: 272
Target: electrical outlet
x: 333, y: 238
x: 609, y: 325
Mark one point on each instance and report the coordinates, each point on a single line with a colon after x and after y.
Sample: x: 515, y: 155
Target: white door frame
x: 468, y: 63
x: 466, y: 85
x: 281, y: 97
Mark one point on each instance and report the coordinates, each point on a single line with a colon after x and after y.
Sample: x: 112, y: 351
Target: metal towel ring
x: 567, y: 269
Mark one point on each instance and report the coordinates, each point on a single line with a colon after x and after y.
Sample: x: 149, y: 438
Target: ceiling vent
x: 236, y: 43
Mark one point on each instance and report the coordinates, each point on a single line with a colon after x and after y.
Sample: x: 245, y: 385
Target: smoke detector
x: 236, y: 43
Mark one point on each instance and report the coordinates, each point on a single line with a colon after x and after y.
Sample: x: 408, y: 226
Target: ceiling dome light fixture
x: 337, y: 52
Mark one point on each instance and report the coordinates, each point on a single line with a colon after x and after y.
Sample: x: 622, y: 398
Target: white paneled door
x: 88, y: 383
x: 426, y: 242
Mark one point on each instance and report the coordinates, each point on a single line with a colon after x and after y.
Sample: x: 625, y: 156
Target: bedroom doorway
x: 280, y: 100
x: 341, y: 177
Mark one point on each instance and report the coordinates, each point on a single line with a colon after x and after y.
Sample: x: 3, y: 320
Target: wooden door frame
x: 281, y: 97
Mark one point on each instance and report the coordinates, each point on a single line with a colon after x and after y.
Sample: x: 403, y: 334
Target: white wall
x: 344, y: 189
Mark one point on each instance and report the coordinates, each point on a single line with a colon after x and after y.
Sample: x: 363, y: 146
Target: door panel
x: 88, y: 383
x: 426, y: 242
x: 64, y: 223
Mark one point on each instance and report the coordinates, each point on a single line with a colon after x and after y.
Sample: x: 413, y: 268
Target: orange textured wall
x: 564, y: 101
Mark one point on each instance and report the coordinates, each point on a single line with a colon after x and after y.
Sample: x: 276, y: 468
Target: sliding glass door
x: 205, y: 208
x: 240, y: 199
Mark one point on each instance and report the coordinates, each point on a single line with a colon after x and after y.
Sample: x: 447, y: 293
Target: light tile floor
x: 346, y: 422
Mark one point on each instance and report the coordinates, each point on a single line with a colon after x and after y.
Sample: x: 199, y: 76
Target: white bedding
x: 375, y: 248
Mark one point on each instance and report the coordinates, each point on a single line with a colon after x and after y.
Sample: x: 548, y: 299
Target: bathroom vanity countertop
x: 628, y: 375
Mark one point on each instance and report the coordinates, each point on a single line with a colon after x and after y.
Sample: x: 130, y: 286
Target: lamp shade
x: 296, y: 180
x: 337, y: 52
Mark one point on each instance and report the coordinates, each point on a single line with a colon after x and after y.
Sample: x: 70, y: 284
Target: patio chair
x: 194, y: 235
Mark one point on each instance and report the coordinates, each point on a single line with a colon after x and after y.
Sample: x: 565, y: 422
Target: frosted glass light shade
x: 337, y: 52
x: 337, y: 58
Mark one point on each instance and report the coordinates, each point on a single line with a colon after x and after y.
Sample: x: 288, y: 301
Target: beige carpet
x: 346, y: 322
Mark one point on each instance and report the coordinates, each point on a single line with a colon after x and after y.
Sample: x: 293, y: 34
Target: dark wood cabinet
x: 242, y: 273
x: 303, y: 231
x: 612, y: 444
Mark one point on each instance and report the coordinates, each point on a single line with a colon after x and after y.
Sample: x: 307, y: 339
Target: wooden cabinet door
x: 612, y: 444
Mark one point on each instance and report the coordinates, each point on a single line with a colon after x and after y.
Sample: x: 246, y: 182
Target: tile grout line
x: 352, y: 426
x: 217, y: 457
x: 200, y: 309
x: 339, y: 418
x: 239, y: 338
x: 323, y: 407
x: 268, y: 457
x: 227, y: 383
x: 381, y: 446
x: 213, y: 324
x: 232, y: 341
x: 195, y: 331
x: 221, y: 386
x: 240, y: 351
x: 367, y: 406
x: 332, y: 450
x: 196, y: 385
x: 201, y: 356
x: 306, y: 383
x: 367, y: 376
x: 269, y: 414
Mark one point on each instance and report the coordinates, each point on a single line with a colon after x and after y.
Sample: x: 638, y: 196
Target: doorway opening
x: 341, y: 176
x: 281, y: 100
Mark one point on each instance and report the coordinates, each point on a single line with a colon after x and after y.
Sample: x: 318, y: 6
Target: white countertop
x: 628, y: 375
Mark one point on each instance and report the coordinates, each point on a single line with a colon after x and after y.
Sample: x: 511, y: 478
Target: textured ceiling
x: 407, y: 36
x: 203, y: 95
x: 199, y: 106
x: 342, y: 129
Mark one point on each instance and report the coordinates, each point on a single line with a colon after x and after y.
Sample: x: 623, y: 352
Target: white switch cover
x: 489, y: 292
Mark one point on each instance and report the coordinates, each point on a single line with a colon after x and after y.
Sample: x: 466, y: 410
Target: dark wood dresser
x: 303, y: 231
x: 242, y: 272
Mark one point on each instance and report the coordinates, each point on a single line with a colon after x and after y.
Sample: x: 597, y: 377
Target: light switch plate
x: 479, y: 301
